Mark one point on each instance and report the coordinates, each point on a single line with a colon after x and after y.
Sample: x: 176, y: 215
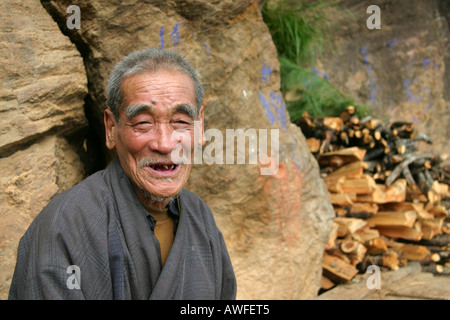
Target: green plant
x: 305, y: 91
x: 299, y: 29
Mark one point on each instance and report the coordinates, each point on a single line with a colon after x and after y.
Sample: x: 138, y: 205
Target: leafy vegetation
x: 299, y: 29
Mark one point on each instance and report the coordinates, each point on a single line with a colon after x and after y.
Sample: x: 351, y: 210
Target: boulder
x: 41, y: 102
x: 29, y: 178
x: 43, y: 77
x: 275, y: 226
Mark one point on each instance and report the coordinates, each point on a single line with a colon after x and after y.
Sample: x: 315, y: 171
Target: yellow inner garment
x: 163, y: 232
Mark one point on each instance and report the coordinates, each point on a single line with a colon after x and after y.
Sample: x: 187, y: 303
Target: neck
x: 158, y: 206
x: 152, y: 202
x: 159, y: 215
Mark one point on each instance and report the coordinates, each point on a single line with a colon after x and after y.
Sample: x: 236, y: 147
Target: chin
x: 165, y: 188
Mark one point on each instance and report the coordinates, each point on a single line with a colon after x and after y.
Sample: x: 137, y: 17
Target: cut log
x: 334, y: 123
x: 440, y: 188
x: 433, y: 197
x: 364, y: 185
x: 331, y: 243
x: 390, y: 260
x: 401, y: 206
x: 351, y: 110
x: 381, y: 194
x: 365, y: 234
x: 421, y: 212
x: 348, y: 246
x: 376, y: 246
x: 340, y: 211
x: 373, y: 124
x: 414, y: 194
x: 393, y: 218
x: 364, y: 207
x: 358, y: 255
x: 347, y: 155
x: 439, y: 211
x: 334, y: 185
x: 431, y: 227
x: 351, y: 170
x: 336, y: 161
x: 436, y: 269
x: 355, y: 250
x: 413, y: 252
x: 401, y: 232
x: 337, y: 270
x: 313, y: 144
x: 348, y: 226
x: 343, y: 199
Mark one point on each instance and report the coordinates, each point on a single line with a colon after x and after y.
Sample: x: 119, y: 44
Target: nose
x: 162, y: 141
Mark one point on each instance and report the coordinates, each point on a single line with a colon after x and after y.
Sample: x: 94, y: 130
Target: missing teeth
x: 164, y: 166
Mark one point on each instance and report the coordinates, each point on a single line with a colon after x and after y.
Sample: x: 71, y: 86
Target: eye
x: 142, y: 125
x: 181, y: 121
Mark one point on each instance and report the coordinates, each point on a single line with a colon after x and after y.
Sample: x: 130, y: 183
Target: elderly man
x: 131, y: 231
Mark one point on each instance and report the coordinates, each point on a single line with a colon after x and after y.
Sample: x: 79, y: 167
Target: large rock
x: 41, y: 101
x: 402, y: 70
x: 29, y: 178
x: 276, y: 226
x: 43, y: 78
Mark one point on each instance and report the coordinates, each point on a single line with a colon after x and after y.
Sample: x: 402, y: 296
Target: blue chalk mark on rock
x: 175, y: 34
x: 161, y: 37
x: 275, y: 110
x: 266, y: 72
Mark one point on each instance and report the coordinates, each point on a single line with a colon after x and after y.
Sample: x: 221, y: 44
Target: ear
x: 110, y: 128
x: 202, y: 139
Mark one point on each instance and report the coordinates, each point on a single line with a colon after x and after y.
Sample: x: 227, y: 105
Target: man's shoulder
x: 77, y: 201
x: 89, y: 189
x: 192, y: 200
x: 197, y: 210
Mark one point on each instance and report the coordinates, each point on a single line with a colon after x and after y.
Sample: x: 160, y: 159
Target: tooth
x: 165, y: 167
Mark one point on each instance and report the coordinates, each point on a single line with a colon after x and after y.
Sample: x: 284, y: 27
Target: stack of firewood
x: 391, y: 204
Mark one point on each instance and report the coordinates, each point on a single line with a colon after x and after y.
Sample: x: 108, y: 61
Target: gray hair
x: 148, y: 60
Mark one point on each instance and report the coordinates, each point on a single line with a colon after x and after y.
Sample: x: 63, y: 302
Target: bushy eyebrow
x: 188, y: 109
x: 135, y: 109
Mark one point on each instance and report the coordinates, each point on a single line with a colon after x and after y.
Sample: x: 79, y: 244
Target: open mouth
x: 163, y: 167
x: 160, y: 168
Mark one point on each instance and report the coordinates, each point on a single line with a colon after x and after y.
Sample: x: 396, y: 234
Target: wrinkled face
x: 158, y: 118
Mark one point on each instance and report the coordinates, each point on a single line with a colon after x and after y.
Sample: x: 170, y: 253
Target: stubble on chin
x: 154, y: 198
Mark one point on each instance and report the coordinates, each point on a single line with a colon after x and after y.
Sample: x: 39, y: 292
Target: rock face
x: 400, y: 70
x: 41, y: 105
x: 275, y: 226
x: 43, y: 82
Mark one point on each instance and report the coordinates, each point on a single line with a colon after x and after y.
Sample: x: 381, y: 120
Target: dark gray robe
x: 100, y: 227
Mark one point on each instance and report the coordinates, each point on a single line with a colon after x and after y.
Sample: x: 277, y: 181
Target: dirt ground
x: 407, y: 283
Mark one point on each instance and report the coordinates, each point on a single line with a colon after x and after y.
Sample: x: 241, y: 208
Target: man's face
x: 158, y: 106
